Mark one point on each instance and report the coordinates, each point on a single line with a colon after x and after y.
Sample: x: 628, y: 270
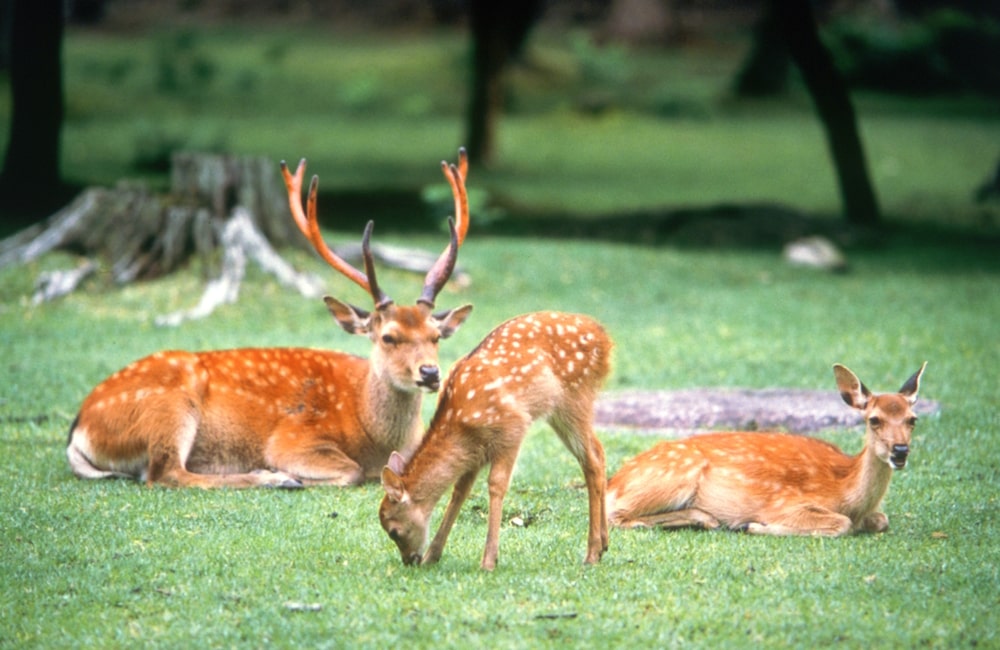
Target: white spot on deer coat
x: 495, y: 384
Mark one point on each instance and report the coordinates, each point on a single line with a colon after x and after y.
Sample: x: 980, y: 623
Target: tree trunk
x: 829, y: 93
x: 222, y: 182
x: 765, y: 71
x: 499, y: 31
x: 31, y: 165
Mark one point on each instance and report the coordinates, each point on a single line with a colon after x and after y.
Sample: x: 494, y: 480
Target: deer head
x: 405, y: 338
x: 405, y: 525
x: 889, y: 417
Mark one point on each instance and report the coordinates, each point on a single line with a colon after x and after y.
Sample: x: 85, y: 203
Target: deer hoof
x: 277, y: 480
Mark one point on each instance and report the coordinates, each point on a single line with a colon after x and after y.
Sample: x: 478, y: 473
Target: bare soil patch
x: 683, y: 412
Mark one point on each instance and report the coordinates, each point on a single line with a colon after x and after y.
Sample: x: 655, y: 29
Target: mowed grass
x: 114, y: 564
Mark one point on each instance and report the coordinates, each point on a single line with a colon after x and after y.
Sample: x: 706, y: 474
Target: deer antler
x: 309, y: 225
x: 445, y: 264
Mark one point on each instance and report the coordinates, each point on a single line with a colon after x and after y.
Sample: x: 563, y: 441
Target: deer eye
x: 874, y: 422
x: 912, y: 422
x: 394, y: 534
x: 388, y: 340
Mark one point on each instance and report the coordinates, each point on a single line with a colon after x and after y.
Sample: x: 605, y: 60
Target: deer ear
x: 353, y: 320
x: 853, y: 392
x: 393, y: 485
x: 397, y: 463
x: 449, y: 321
x: 912, y: 385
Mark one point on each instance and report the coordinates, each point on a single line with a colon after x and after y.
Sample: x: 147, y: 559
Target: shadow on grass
x: 736, y: 226
x: 742, y: 226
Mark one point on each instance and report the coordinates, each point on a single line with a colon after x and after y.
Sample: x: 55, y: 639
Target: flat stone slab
x: 696, y: 410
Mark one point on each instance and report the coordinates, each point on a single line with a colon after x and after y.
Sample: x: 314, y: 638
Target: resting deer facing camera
x: 283, y: 417
x: 542, y: 365
x: 770, y: 483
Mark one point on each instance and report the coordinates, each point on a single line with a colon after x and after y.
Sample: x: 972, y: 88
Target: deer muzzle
x: 430, y: 378
x: 898, y: 456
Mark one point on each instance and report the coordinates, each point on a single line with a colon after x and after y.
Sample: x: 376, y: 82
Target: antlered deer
x: 542, y: 365
x: 281, y: 416
x: 771, y: 483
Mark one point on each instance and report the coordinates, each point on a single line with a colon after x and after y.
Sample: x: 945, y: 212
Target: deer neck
x: 391, y: 416
x: 438, y: 463
x: 867, y: 483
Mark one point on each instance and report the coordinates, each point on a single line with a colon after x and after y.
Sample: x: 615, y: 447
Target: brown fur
x: 771, y: 483
x: 281, y: 416
x: 543, y: 365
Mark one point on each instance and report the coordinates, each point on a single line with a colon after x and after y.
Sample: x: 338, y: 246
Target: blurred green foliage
x: 589, y: 129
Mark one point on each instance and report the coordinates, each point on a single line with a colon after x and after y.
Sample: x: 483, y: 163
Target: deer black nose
x: 899, y: 454
x: 430, y: 376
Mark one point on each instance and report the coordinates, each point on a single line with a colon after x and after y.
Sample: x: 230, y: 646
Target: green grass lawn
x: 114, y: 564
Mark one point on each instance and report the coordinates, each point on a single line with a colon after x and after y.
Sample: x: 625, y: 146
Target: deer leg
x: 499, y: 482
x: 462, y: 488
x: 602, y: 479
x: 168, y: 459
x: 577, y: 434
x: 313, y: 462
x: 876, y: 522
x: 687, y: 518
x: 172, y: 434
x: 805, y: 520
x: 180, y: 477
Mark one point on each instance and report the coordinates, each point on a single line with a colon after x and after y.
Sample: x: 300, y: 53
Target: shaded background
x: 617, y: 118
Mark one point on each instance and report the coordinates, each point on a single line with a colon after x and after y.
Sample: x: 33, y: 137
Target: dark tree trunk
x: 31, y: 165
x: 990, y: 189
x: 499, y: 31
x: 765, y: 71
x: 829, y: 93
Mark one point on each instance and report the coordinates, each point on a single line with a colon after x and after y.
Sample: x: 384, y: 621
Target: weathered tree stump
x: 236, y: 204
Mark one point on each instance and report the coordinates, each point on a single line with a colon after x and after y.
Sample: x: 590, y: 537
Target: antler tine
x: 463, y: 162
x: 456, y: 176
x: 445, y: 264
x: 294, y: 186
x: 441, y: 271
x: 381, y: 300
x: 309, y: 225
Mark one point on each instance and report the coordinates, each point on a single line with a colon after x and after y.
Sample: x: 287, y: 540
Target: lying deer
x: 543, y: 365
x: 283, y: 417
x: 770, y: 483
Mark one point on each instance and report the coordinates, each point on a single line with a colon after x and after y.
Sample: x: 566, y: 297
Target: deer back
x: 528, y: 367
x: 238, y: 398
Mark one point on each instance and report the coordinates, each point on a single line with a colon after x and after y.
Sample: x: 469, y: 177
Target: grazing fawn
x: 771, y: 483
x: 283, y: 417
x: 542, y: 365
